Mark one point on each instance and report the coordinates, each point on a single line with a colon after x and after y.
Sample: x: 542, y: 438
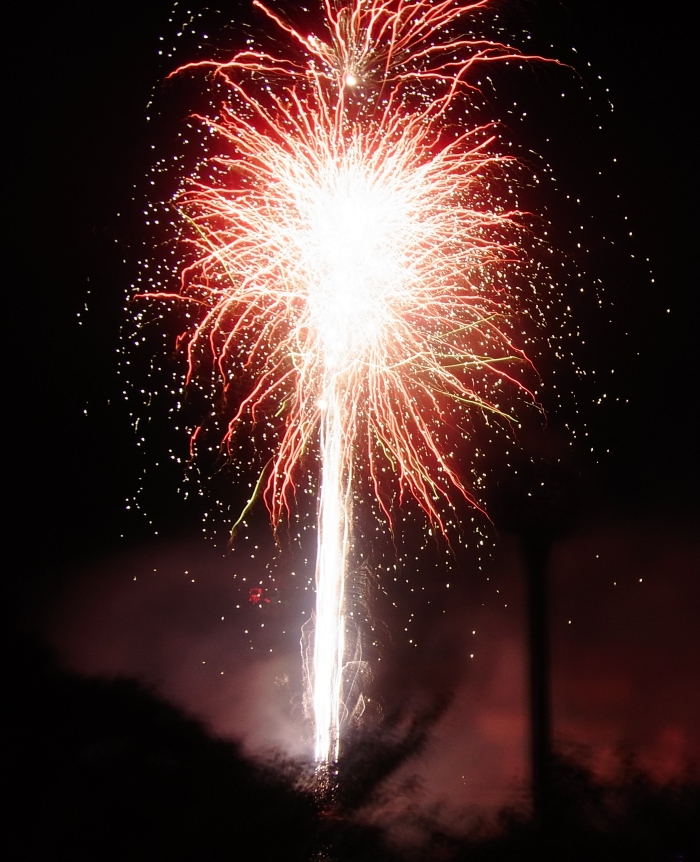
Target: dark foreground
x: 103, y: 770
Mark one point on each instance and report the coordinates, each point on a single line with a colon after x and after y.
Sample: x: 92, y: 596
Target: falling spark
x: 347, y: 275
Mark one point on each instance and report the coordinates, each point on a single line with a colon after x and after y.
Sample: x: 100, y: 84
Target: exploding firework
x: 347, y: 276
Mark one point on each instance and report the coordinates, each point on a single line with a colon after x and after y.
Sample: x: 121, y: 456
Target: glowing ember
x: 256, y: 596
x: 348, y: 274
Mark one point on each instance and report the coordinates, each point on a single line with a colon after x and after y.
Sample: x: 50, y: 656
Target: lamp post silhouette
x: 538, y: 502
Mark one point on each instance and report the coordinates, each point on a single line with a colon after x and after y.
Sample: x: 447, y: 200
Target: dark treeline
x: 103, y: 770
x: 627, y: 818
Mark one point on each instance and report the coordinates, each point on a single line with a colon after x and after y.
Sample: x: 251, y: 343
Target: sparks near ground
x: 347, y: 275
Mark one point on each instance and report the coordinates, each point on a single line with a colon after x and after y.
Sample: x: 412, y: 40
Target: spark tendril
x: 348, y: 275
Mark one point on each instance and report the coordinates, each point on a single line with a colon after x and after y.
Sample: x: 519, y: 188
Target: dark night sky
x: 77, y: 80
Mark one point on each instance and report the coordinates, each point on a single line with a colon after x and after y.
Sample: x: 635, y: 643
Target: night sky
x: 625, y: 577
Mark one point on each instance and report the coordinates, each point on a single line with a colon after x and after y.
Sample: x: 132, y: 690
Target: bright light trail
x: 347, y: 273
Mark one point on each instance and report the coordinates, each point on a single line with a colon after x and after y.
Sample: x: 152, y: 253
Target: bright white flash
x: 350, y: 253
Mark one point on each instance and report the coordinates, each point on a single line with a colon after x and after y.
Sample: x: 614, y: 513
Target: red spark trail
x: 348, y: 272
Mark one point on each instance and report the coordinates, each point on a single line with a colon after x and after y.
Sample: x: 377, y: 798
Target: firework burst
x: 347, y: 275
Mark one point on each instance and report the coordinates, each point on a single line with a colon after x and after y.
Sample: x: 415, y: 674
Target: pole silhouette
x: 538, y: 502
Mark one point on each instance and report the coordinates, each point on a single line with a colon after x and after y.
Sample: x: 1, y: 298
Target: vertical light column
x: 331, y: 564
